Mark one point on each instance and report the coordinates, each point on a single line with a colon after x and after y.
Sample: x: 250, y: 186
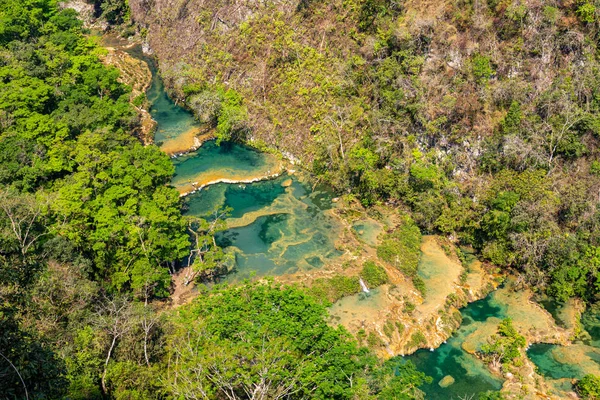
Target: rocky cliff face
x: 136, y: 74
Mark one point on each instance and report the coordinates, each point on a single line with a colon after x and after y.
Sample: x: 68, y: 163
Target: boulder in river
x: 446, y: 381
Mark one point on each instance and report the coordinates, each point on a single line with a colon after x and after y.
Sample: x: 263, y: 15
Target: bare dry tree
x: 26, y: 215
x: 115, y: 317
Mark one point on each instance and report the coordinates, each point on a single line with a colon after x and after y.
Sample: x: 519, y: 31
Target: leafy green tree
x: 28, y: 368
x: 114, y: 11
x: 482, y: 68
x: 401, y: 380
x: 588, y: 387
x: 231, y: 117
x: 259, y: 339
x: 505, y: 347
x: 206, y: 260
x: 512, y: 121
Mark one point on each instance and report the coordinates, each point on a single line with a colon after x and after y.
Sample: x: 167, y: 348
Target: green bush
x: 373, y: 340
x: 373, y: 274
x: 409, y: 307
x: 482, y: 68
x: 586, y: 13
x: 490, y: 395
x: 401, y: 248
x: 504, y: 347
x: 551, y: 14
x: 595, y: 168
x: 399, y: 327
x: 333, y: 289
x: 231, y: 117
x: 388, y: 328
x: 417, y: 339
x: 588, y: 387
x: 419, y: 284
x: 139, y: 100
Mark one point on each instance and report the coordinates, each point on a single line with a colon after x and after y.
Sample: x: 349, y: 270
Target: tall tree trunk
x: 112, y: 345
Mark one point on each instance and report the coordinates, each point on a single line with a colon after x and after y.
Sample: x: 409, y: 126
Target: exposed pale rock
x: 446, y: 381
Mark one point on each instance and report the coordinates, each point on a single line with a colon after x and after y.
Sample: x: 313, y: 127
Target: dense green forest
x: 482, y: 126
x: 89, y: 231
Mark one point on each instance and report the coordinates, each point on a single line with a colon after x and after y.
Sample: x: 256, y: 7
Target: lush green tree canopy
x: 265, y: 341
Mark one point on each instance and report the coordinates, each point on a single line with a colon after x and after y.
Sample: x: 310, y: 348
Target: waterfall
x: 363, y: 286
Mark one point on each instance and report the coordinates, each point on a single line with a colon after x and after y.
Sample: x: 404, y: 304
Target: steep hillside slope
x: 482, y: 117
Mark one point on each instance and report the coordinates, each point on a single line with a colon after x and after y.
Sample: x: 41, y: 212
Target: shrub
x: 551, y: 14
x: 333, y: 289
x: 419, y: 284
x: 482, y: 68
x: 595, y: 168
x: 586, y: 13
x: 399, y: 327
x: 401, y: 248
x: 373, y: 274
x: 139, y: 100
x: 373, y: 340
x: 504, y: 347
x: 588, y: 387
x: 388, y: 328
x: 417, y: 339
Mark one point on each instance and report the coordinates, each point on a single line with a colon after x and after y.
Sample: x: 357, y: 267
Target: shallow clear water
x: 173, y: 120
x: 277, y: 226
x: 283, y: 225
x: 227, y: 161
x: 549, y: 365
x: 570, y: 362
x: 368, y: 230
x: 554, y: 308
x: 275, y: 229
x: 591, y: 323
x: 470, y: 374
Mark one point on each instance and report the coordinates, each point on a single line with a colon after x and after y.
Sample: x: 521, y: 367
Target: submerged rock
x: 446, y: 381
x: 286, y: 183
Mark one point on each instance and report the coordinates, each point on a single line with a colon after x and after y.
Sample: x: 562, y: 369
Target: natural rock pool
x: 471, y: 376
x: 277, y: 223
x: 561, y: 364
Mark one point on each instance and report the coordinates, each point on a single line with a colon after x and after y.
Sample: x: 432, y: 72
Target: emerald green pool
x: 548, y: 365
x: 228, y: 161
x: 570, y: 362
x: 172, y: 119
x: 284, y: 225
x: 278, y: 225
x: 278, y: 229
x: 471, y: 376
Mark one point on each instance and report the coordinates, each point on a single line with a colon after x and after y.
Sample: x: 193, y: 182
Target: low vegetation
x: 90, y: 232
x: 478, y: 117
x: 588, y: 387
x: 504, y: 348
x: 329, y: 290
x: 373, y: 274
